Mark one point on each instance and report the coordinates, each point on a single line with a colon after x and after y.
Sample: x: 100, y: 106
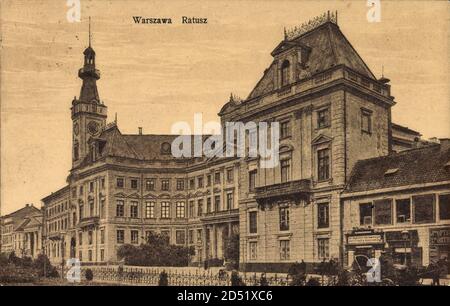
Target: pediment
x: 120, y: 195
x: 198, y: 194
x: 179, y: 196
x: 134, y: 195
x: 164, y: 196
x: 150, y: 196
x: 321, y: 139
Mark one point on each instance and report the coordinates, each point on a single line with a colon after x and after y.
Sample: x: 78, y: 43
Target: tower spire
x: 89, y: 31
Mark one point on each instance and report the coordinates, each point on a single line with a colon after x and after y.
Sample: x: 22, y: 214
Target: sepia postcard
x: 193, y: 144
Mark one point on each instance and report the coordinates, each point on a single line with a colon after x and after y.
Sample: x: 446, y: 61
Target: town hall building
x: 332, y: 112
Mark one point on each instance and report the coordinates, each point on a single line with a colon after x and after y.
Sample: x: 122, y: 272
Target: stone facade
x: 332, y: 112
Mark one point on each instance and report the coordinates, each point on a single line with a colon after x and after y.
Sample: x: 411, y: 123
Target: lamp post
x: 405, y: 237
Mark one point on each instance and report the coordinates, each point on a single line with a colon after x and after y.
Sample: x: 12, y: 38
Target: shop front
x: 403, y: 247
x: 361, y: 245
x: 440, y: 245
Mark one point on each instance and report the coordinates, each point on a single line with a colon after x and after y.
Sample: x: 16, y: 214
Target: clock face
x: 76, y: 128
x: 92, y: 127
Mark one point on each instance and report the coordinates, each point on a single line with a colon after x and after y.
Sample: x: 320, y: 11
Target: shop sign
x: 440, y: 236
x: 365, y: 239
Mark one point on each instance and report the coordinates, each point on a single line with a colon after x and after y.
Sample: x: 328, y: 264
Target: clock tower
x: 88, y: 112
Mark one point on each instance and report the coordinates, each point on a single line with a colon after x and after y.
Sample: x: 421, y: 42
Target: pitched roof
x: 136, y: 146
x: 416, y: 166
x: 327, y: 47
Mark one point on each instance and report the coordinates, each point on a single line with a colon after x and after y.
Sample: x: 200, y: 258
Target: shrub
x: 313, y: 282
x: 163, y: 279
x: 44, y: 267
x: 89, y: 275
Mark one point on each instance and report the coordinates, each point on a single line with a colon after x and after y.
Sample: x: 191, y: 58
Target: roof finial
x: 285, y: 34
x: 89, y: 31
x: 382, y: 71
x: 115, y: 119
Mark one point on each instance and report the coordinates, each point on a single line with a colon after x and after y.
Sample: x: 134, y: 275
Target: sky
x: 155, y: 75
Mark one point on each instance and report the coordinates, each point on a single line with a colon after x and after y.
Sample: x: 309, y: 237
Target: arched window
x: 285, y: 73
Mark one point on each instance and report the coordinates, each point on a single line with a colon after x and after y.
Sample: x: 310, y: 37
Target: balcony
x: 293, y: 191
x: 221, y: 216
x: 88, y: 222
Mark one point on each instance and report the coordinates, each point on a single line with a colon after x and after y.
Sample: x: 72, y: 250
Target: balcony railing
x: 221, y: 214
x: 288, y: 190
x: 88, y: 221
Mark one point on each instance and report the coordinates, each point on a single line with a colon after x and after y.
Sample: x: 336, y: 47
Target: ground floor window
x: 90, y: 255
x: 252, y: 246
x: 102, y: 255
x: 285, y: 249
x: 135, y: 237
x: 180, y: 237
x: 323, y: 245
x: 120, y: 236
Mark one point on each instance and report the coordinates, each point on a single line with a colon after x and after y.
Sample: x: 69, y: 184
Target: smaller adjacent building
x: 399, y: 204
x: 21, y: 232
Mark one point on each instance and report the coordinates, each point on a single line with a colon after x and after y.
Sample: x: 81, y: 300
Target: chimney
x: 27, y: 205
x: 140, y: 130
x: 445, y: 143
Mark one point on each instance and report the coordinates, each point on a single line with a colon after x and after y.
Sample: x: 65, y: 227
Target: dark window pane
x: 423, y: 208
x: 383, y: 211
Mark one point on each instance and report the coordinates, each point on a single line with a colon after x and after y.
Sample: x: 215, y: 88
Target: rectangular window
x: 323, y: 215
x: 403, y: 210
x: 134, y: 209
x: 191, y: 236
x: 285, y: 249
x: 119, y: 182
x: 252, y: 249
x: 134, y: 237
x: 102, y: 208
x: 424, y: 209
x: 91, y: 208
x: 217, y: 203
x: 80, y: 238
x: 90, y: 237
x: 165, y: 210
x: 285, y: 170
x: 102, y: 236
x: 284, y: 218
x: 165, y: 184
x: 208, y: 180
x: 191, y: 209
x: 199, y: 235
x: 191, y: 184
x: 91, y: 186
x: 200, y: 182
x: 208, y: 205
x: 102, y: 255
x: 366, y: 121
x: 180, y: 210
x: 149, y: 210
x: 150, y: 184
x: 323, y: 248
x: 253, y: 222
x: 134, y: 184
x: 230, y: 203
x: 102, y: 183
x: 285, y: 129
x: 180, y: 237
x: 252, y: 180
x: 180, y: 184
x: 81, y: 190
x: 90, y: 255
x: 383, y: 211
x: 120, y: 236
x: 120, y: 208
x: 365, y: 213
x: 166, y: 234
x: 199, y: 208
x: 230, y: 175
x: 147, y: 235
x: 323, y: 118
x: 217, y: 178
x: 444, y: 206
x: 323, y: 162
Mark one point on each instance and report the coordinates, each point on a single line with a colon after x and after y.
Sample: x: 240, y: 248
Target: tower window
x: 285, y: 73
